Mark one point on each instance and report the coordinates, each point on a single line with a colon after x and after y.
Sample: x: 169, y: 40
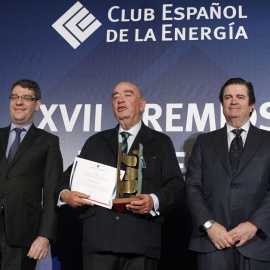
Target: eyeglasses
x: 25, y: 98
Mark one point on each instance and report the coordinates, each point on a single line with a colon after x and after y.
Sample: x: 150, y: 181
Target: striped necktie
x: 125, y: 136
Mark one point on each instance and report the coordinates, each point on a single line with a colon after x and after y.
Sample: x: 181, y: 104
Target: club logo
x: 76, y: 25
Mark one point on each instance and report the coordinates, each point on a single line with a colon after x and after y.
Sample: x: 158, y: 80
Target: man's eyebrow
x: 238, y: 95
x: 125, y: 91
x: 129, y: 91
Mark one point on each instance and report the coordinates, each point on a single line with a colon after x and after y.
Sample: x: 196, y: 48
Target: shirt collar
x: 133, y: 131
x: 27, y: 127
x: 245, y: 127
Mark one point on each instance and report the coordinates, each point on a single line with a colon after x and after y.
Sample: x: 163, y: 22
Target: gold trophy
x: 131, y: 184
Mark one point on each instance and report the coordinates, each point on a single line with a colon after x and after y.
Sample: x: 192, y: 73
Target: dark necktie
x: 125, y: 136
x: 235, y: 150
x: 15, y: 145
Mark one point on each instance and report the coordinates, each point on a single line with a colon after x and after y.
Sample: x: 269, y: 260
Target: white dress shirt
x: 231, y: 135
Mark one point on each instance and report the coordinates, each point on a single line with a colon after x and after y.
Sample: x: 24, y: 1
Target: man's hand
x: 243, y: 232
x: 39, y: 248
x: 219, y: 236
x: 75, y: 198
x: 143, y: 206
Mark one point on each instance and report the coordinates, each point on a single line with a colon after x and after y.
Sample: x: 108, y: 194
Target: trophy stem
x: 118, y: 184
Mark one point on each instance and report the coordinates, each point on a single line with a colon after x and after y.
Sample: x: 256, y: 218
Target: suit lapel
x: 220, y: 142
x: 4, y: 139
x: 254, y: 139
x: 144, y: 135
x: 111, y: 138
x: 4, y: 142
x: 28, y: 140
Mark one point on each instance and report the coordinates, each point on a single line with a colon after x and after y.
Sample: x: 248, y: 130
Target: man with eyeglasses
x: 30, y: 166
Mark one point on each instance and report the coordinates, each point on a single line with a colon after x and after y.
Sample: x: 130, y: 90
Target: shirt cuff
x: 60, y: 202
x: 154, y: 212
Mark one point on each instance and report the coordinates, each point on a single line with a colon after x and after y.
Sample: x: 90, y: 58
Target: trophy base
x: 120, y: 204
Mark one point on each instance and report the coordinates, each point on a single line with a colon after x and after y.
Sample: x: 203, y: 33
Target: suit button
x: 1, y: 195
x: 117, y: 217
x: 233, y: 186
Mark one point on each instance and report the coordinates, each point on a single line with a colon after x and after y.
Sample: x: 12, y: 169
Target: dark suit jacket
x: 108, y: 230
x: 213, y: 193
x: 31, y: 178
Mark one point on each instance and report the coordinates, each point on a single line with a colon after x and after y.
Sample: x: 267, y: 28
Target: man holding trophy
x: 127, y: 237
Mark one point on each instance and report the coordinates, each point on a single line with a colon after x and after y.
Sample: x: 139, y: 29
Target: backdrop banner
x: 179, y: 53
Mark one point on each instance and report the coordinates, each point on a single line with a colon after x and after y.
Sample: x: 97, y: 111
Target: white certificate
x: 94, y: 179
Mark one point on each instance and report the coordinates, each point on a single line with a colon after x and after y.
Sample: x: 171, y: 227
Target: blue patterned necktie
x: 235, y: 150
x: 125, y: 136
x: 15, y: 145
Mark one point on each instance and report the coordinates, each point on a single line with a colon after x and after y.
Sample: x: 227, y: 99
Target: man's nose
x: 19, y: 101
x: 234, y: 100
x: 120, y: 99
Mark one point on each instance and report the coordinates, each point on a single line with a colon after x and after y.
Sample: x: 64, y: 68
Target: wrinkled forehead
x: 126, y: 88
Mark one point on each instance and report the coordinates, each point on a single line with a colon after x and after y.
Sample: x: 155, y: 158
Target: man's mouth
x: 19, y: 109
x: 121, y: 108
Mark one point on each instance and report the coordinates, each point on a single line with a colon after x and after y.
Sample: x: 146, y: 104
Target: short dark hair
x: 32, y: 85
x: 249, y: 86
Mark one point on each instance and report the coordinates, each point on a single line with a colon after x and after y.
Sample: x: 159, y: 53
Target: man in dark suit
x: 228, y: 183
x: 113, y: 240
x: 30, y: 166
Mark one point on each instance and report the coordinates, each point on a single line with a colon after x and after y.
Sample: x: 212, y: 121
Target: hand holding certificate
x: 95, y: 179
